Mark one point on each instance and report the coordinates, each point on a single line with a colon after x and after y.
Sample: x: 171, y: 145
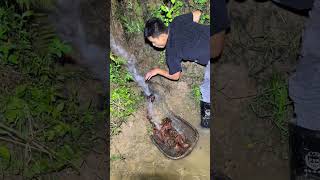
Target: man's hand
x: 196, y: 16
x: 151, y: 73
x: 164, y: 73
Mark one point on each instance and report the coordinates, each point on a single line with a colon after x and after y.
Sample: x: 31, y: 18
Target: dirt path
x: 244, y: 147
x: 144, y: 161
x: 263, y: 39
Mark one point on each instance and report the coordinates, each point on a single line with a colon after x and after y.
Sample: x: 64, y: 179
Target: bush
x: 131, y: 16
x: 47, y: 130
x: 123, y: 101
x: 168, y: 10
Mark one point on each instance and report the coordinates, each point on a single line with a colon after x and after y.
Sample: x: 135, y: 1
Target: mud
x: 141, y: 159
x: 263, y: 39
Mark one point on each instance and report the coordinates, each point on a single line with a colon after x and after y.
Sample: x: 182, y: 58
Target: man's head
x: 156, y: 32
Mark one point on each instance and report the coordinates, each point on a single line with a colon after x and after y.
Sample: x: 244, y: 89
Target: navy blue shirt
x: 296, y: 4
x: 219, y: 16
x: 187, y: 40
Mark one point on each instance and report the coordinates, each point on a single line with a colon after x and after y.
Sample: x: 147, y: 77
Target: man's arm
x: 218, y: 27
x: 157, y: 71
x: 196, y: 16
x: 216, y: 44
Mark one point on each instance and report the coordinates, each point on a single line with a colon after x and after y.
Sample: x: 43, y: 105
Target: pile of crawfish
x: 168, y: 136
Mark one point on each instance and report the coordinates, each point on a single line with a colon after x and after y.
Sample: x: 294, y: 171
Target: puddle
x: 143, y: 160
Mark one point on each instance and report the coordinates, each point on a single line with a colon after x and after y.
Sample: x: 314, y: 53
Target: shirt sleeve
x: 173, y: 63
x: 296, y: 4
x: 185, y: 18
x: 219, y: 16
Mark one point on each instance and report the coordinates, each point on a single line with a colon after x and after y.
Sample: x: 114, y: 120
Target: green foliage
x: 123, y: 100
x: 279, y: 97
x: 132, y: 26
x: 5, y: 157
x: 196, y: 93
x: 28, y: 42
x: 204, y: 7
x: 169, y: 10
x: 204, y: 19
x: 200, y: 4
x: 116, y: 71
x: 57, y: 48
x: 116, y: 157
x: 58, y: 123
x: 48, y: 130
x: 29, y: 4
x: 273, y: 103
x: 131, y: 17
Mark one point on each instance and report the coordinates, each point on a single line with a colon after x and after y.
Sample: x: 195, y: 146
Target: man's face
x: 160, y: 41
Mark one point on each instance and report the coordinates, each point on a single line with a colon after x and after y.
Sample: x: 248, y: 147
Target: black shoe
x: 205, y: 109
x: 304, y: 153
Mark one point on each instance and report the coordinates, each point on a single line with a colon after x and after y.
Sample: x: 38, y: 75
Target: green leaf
x: 60, y: 107
x: 4, y: 153
x: 21, y: 90
x: 66, y: 152
x: 11, y: 115
x: 164, y: 8
x: 50, y: 135
x: 27, y: 13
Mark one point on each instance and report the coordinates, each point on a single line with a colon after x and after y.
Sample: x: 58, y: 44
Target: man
x: 219, y: 24
x: 183, y: 39
x: 304, y: 90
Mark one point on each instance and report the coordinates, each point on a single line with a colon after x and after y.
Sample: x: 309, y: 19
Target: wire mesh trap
x: 176, y: 138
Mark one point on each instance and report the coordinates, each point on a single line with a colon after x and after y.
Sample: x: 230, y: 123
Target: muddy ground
x: 264, y: 38
x: 140, y: 159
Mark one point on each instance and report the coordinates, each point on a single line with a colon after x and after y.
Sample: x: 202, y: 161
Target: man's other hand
x: 196, y: 16
x: 151, y: 73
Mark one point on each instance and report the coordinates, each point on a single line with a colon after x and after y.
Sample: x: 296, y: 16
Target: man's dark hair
x: 154, y: 27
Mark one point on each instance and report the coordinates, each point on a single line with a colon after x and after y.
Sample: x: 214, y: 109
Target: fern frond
x: 27, y: 4
x: 42, y: 34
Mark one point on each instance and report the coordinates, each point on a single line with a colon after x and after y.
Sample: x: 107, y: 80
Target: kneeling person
x: 183, y: 39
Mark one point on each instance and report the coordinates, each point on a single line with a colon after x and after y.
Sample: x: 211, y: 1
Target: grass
x: 272, y: 103
x: 117, y: 157
x: 124, y: 100
x: 132, y: 26
x: 131, y: 17
x: 196, y: 93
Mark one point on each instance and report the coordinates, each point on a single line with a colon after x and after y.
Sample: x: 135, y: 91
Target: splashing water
x: 120, y: 51
x: 151, y: 114
x: 70, y: 22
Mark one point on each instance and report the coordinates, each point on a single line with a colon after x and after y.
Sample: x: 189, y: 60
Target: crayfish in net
x: 170, y: 137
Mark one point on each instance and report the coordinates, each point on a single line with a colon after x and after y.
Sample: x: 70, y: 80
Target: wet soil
x: 245, y: 146
x: 143, y: 160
